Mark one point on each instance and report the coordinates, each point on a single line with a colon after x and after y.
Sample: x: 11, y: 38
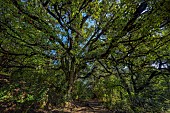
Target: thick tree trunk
x: 72, y: 77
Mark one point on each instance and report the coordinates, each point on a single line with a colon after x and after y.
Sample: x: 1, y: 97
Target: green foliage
x: 52, y: 51
x: 82, y: 90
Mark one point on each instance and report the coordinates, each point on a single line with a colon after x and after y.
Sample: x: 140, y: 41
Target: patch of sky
x: 117, y: 1
x: 53, y: 52
x: 109, y: 15
x: 91, y: 22
x: 24, y: 0
x: 63, y: 38
x: 157, y: 65
x: 55, y: 62
x: 60, y: 35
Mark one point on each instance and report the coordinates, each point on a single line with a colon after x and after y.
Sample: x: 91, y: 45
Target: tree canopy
x: 54, y: 51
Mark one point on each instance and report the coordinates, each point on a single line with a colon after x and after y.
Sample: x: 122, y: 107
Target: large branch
x: 36, y: 18
x: 137, y: 13
x: 148, y: 81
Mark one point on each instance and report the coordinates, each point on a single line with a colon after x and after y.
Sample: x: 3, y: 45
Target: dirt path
x: 83, y: 107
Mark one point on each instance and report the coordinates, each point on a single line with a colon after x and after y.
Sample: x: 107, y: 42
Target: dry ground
x: 92, y: 106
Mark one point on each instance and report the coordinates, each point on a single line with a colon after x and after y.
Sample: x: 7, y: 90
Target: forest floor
x: 91, y: 106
